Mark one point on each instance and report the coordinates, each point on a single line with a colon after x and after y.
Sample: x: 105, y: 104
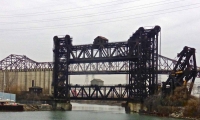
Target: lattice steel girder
x: 99, y: 66
x: 166, y: 64
x: 23, y: 63
x: 142, y: 73
x: 60, y: 70
x: 95, y: 92
x: 185, y: 70
x: 110, y: 52
x: 141, y: 51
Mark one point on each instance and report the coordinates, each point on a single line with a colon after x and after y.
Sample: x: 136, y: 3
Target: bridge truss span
x: 22, y: 62
x: 15, y: 62
x: 95, y: 92
x: 119, y: 67
x: 101, y: 53
x: 138, y: 56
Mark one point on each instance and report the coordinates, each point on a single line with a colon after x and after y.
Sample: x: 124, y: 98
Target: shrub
x: 168, y: 103
x: 192, y: 109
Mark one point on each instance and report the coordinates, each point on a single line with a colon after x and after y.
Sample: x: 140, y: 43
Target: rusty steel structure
x: 24, y: 63
x: 185, y: 70
x: 139, y: 53
x: 138, y: 57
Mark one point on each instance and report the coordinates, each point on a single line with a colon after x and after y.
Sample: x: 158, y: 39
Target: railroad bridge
x: 138, y: 57
x: 139, y: 53
x: 21, y: 70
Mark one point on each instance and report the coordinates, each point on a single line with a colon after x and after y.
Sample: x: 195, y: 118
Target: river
x: 80, y: 112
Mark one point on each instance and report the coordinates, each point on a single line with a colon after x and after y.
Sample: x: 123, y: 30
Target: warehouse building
x: 97, y: 82
x: 20, y: 80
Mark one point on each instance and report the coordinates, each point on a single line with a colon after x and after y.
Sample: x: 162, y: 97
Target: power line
x: 62, y: 4
x: 5, y: 11
x: 66, y: 10
x: 92, y: 15
x: 100, y: 22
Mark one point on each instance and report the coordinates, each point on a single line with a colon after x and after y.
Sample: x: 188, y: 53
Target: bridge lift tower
x: 140, y: 51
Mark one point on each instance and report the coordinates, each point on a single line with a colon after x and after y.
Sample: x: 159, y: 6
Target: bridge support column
x: 62, y: 47
x: 134, y: 107
x: 62, y: 105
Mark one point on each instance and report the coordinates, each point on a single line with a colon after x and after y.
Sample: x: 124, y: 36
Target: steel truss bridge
x: 24, y: 63
x: 138, y: 57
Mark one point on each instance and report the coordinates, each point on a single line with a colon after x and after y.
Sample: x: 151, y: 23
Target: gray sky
x: 27, y: 27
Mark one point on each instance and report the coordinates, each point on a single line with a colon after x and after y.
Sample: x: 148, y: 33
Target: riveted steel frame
x: 95, y: 92
x: 143, y: 73
x: 185, y: 70
x: 23, y: 63
x: 140, y: 52
x: 111, y: 53
x: 61, y: 67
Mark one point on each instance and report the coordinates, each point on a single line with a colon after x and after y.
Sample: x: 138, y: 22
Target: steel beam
x: 23, y: 63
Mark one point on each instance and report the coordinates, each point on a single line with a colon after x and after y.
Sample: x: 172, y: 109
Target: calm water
x: 79, y: 112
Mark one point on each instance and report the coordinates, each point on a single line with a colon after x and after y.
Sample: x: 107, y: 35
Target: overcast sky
x: 27, y: 27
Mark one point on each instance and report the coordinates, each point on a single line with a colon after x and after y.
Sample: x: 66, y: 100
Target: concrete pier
x: 134, y: 107
x: 63, y: 106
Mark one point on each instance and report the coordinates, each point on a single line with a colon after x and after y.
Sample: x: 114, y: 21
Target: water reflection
x: 58, y: 115
x: 97, y: 108
x: 80, y: 112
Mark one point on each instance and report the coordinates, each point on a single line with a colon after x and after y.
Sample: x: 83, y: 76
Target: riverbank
x: 47, y: 107
x: 173, y: 115
x: 33, y: 107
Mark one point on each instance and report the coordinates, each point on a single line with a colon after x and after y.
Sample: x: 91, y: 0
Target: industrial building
x: 97, y: 82
x: 20, y: 80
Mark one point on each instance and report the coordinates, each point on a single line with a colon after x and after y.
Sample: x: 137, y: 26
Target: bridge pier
x: 134, y: 107
x: 62, y: 105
